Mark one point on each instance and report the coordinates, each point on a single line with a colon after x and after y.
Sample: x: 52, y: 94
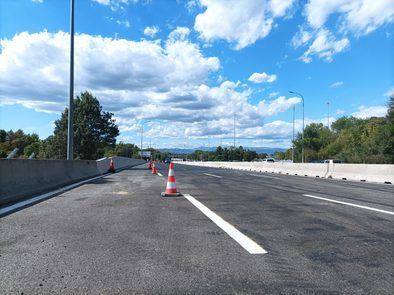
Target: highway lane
x: 116, y: 235
x: 351, y: 246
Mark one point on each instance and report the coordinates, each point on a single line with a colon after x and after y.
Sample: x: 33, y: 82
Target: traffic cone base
x: 164, y: 194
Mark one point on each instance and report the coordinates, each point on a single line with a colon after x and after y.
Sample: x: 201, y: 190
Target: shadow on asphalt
x: 139, y: 168
x: 101, y: 181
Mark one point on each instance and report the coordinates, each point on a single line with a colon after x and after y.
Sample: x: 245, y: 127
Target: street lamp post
x: 303, y: 123
x: 234, y: 130
x: 142, y: 137
x: 328, y: 115
x: 70, y: 130
x: 292, y: 149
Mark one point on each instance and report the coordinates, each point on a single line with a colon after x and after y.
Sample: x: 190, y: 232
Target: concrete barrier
x: 21, y: 178
x: 379, y: 173
x: 119, y: 163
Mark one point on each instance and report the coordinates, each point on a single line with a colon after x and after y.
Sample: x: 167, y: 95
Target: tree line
x: 350, y: 139
x: 95, y: 135
x: 225, y: 154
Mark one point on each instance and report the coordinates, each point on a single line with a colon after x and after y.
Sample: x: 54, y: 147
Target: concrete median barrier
x: 379, y: 173
x: 21, y: 179
x: 119, y: 163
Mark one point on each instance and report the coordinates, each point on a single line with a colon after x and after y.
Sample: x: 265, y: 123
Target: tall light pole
x: 70, y: 130
x: 303, y: 123
x: 234, y: 131
x: 142, y: 137
x: 292, y: 149
x: 328, y: 115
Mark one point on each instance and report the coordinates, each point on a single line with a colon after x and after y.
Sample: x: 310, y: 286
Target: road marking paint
x: 249, y: 245
x: 158, y: 173
x: 213, y: 175
x: 122, y: 193
x: 350, y: 204
x: 36, y: 199
x: 263, y: 176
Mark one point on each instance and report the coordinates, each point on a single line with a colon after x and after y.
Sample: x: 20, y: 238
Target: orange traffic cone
x: 154, y: 170
x: 111, y: 166
x: 171, y: 185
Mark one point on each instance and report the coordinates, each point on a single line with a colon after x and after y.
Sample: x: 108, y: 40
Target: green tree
x: 94, y: 130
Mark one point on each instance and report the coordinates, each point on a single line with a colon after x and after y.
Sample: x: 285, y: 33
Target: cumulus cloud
x: 241, y: 23
x: 358, y: 16
x: 151, y: 31
x: 372, y: 111
x: 336, y: 84
x: 167, y: 82
x: 325, y: 46
x: 38, y: 1
x: 262, y: 78
x: 347, y: 17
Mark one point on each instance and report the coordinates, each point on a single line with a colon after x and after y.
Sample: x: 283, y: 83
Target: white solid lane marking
x: 158, y: 173
x: 264, y: 176
x: 249, y: 245
x: 350, y: 204
x: 27, y: 202
x: 213, y: 175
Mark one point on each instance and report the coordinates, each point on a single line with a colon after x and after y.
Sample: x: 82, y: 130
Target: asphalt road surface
x: 117, y: 235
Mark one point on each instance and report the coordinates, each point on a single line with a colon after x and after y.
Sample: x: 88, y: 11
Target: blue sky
x: 183, y: 68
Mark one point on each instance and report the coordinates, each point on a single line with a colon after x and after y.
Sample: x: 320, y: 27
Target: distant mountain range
x: 259, y: 150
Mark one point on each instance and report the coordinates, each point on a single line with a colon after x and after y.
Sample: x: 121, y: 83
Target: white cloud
x: 301, y: 38
x: 38, y: 1
x: 342, y: 17
x: 325, y: 46
x: 372, y: 111
x: 339, y: 112
x: 336, y: 84
x: 277, y: 106
x: 166, y: 82
x: 241, y: 23
x: 358, y: 16
x: 273, y: 94
x: 118, y: 4
x: 180, y: 33
x: 262, y: 78
x: 151, y: 31
x: 124, y: 23
x: 191, y: 5
x: 390, y: 92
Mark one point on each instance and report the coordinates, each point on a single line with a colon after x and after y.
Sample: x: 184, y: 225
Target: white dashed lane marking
x: 350, y: 204
x: 213, y: 175
x: 249, y: 245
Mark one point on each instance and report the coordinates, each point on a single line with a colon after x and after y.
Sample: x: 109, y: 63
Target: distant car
x: 167, y: 161
x: 334, y: 161
x: 269, y: 160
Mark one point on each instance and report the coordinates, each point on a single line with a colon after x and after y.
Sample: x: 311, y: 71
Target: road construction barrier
x: 379, y: 173
x: 22, y: 178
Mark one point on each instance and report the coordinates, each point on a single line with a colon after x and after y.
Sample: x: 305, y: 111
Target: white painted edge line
x: 350, y: 204
x: 21, y: 204
x: 158, y: 173
x: 249, y: 245
x: 213, y: 175
x: 263, y: 176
